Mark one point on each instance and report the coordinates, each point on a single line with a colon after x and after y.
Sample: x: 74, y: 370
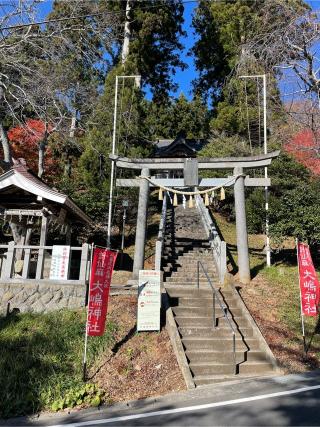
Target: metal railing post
x: 198, y: 280
x: 234, y: 353
x: 214, y: 309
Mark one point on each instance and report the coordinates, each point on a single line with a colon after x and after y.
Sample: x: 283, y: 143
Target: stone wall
x: 41, y: 298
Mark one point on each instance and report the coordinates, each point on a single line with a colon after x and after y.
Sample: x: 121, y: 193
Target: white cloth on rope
x: 192, y: 193
x: 184, y: 201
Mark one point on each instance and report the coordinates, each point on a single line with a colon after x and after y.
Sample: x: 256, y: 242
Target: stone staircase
x: 208, y: 349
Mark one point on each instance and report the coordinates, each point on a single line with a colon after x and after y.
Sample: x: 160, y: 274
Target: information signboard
x: 149, y: 300
x: 59, y: 268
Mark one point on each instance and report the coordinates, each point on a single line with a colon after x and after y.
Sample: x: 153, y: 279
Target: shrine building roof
x: 21, y: 189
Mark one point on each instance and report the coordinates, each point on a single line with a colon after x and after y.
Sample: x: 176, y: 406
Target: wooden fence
x: 33, y: 262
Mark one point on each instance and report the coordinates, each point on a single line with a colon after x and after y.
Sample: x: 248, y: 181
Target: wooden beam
x: 23, y: 212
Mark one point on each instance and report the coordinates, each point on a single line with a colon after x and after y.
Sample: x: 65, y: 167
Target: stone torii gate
x: 239, y: 181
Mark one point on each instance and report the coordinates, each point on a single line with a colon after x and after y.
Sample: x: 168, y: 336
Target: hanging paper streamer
x: 160, y: 194
x: 190, y: 202
x: 175, y: 199
x: 206, y: 200
x: 222, y: 194
x: 184, y: 200
x: 211, y: 198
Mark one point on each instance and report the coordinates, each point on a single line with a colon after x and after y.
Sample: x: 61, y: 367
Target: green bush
x: 41, y: 361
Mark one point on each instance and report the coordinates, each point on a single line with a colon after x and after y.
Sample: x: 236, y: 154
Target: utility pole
x: 265, y: 149
x: 137, y: 82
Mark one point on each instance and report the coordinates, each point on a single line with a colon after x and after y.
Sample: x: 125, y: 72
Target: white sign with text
x: 149, y: 300
x: 59, y: 268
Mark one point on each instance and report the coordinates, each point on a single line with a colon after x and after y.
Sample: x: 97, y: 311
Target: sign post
x: 149, y: 300
x: 309, y: 286
x: 100, y: 279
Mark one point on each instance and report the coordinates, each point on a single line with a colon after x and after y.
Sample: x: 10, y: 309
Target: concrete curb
x: 176, y: 341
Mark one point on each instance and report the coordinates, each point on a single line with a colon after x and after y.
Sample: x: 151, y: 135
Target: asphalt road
x: 278, y: 401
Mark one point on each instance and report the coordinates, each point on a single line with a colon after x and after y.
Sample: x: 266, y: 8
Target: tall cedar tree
x: 154, y: 51
x: 155, y: 30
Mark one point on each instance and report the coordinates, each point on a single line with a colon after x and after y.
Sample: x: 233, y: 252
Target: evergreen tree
x: 165, y: 121
x: 223, y: 30
x: 150, y: 49
x: 155, y: 28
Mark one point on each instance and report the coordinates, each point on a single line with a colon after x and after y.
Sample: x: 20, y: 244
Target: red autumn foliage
x: 305, y: 147
x: 25, y: 143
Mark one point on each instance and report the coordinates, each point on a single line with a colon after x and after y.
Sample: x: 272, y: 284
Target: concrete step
x: 203, y: 310
x: 187, y: 251
x: 215, y: 356
x: 213, y: 379
x: 204, y: 368
x: 192, y: 284
x: 184, y: 273
x: 255, y: 367
x: 187, y: 259
x: 190, y: 291
x: 205, y: 258
x: 198, y: 301
x: 209, y: 331
x: 219, y: 343
x: 194, y: 246
x: 221, y: 321
x: 192, y: 279
x: 192, y: 270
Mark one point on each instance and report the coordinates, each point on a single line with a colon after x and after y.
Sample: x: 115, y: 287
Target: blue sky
x: 184, y: 78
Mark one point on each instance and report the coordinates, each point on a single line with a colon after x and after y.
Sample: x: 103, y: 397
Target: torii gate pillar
x: 241, y: 226
x: 138, y: 261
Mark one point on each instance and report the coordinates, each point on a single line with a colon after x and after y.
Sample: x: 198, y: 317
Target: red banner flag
x: 309, y: 283
x: 102, y: 267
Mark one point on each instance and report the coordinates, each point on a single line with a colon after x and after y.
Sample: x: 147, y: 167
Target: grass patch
x: 274, y: 301
x: 285, y: 278
x: 41, y: 361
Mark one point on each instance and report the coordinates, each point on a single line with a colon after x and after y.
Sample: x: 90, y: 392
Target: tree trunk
x: 42, y: 147
x: 73, y: 124
x: 7, y: 156
x: 127, y: 34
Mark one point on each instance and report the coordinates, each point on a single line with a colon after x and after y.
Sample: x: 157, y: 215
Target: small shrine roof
x: 20, y: 189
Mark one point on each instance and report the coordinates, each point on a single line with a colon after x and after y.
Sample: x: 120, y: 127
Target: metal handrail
x: 223, y: 309
x: 218, y: 245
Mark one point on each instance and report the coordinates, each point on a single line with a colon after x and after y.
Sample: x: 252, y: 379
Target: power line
x: 70, y: 18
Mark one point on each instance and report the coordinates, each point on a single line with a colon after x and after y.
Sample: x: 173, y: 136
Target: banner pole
x: 86, y: 333
x: 301, y: 312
